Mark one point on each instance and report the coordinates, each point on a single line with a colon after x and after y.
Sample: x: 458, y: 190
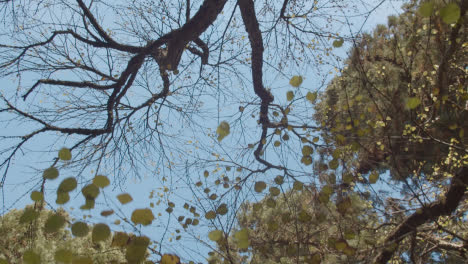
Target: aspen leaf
x: 289, y: 95
x: 450, y: 13
x: 100, y: 232
x: 124, y: 198
x: 242, y: 238
x: 259, y: 186
x: 101, y: 181
x: 79, y: 229
x: 210, y: 215
x: 119, y: 239
x: 215, y: 235
x: 412, y: 102
x: 63, y: 255
x: 90, y: 191
x: 279, y: 179
x: 338, y: 43
x: 37, y: 196
x: 54, y: 223
x: 274, y: 191
x: 425, y: 9
x: 373, y: 177
x: 28, y: 215
x: 142, y: 216
x: 307, y: 150
x: 31, y: 257
x: 136, y: 250
x: 311, y: 97
x: 65, y: 154
x: 222, y: 209
x: 169, y: 259
x: 223, y: 130
x: 67, y: 185
x: 295, y: 81
x: 297, y: 185
x: 62, y: 198
x: 50, y: 173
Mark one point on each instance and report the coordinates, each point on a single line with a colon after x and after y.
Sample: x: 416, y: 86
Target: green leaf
x: 63, y: 255
x: 100, y: 232
x: 50, y: 173
x: 169, y: 259
x: 54, y: 223
x: 373, y: 177
x: 136, y: 250
x: 67, y: 185
x: 119, y: 239
x: 90, y: 191
x: 297, y: 185
x: 210, y: 215
x: 222, y: 209
x: 311, y: 97
x: 37, y: 196
x: 290, y: 95
x: 142, y: 216
x: 31, y: 257
x: 223, y: 130
x: 450, y: 13
x: 274, y: 191
x: 412, y: 102
x: 101, y: 181
x: 307, y: 150
x: 124, y: 198
x: 259, y: 186
x: 279, y: 179
x: 242, y: 238
x: 333, y: 164
x: 79, y: 229
x: 296, y: 81
x: 426, y: 9
x: 215, y: 235
x: 28, y: 215
x: 338, y: 43
x: 62, y: 198
x: 65, y: 154
x: 89, y: 204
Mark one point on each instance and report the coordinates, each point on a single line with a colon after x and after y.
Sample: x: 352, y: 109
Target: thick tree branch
x: 431, y: 212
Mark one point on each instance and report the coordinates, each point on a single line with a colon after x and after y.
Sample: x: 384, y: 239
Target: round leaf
x: 79, y: 229
x: 338, y: 43
x: 223, y: 130
x: 67, y: 185
x: 296, y: 81
x: 222, y: 209
x: 425, y: 9
x: 215, y: 235
x: 37, y: 196
x: 50, y: 173
x: 136, y: 250
x: 28, y: 215
x: 90, y: 191
x: 242, y: 238
x: 62, y: 198
x: 210, y: 215
x: 100, y: 232
x: 311, y: 97
x: 124, y: 198
x: 65, y: 154
x: 54, y: 223
x: 142, y: 216
x: 101, y: 181
x: 450, y: 13
x: 259, y: 186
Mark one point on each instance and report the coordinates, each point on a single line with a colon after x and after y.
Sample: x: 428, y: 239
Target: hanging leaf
x: 412, y: 102
x: 142, y: 216
x: 373, y: 177
x: 67, y: 185
x: 274, y: 191
x: 210, y: 215
x: 425, y: 9
x: 215, y: 235
x: 50, y: 173
x: 62, y: 198
x: 100, y: 232
x: 170, y: 259
x: 307, y: 150
x: 311, y: 97
x: 338, y: 43
x: 54, y: 223
x: 136, y: 250
x: 223, y: 130
x: 222, y: 209
x: 450, y: 13
x: 90, y: 191
x: 242, y: 238
x: 79, y: 229
x: 120, y: 239
x: 65, y: 154
x: 124, y: 198
x: 290, y: 95
x: 101, y: 181
x: 259, y: 186
x: 296, y: 81
x: 37, y: 196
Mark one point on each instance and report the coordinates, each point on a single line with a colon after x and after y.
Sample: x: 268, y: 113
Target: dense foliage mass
x: 261, y: 144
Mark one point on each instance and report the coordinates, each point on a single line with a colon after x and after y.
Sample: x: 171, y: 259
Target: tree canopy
x: 263, y: 142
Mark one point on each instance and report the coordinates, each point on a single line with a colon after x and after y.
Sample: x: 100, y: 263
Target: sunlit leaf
x: 124, y: 198
x: 311, y: 97
x: 170, y: 259
x: 37, y: 196
x: 100, y: 232
x: 210, y: 215
x: 79, y: 229
x: 279, y: 179
x: 260, y: 186
x: 373, y: 177
x: 215, y: 235
x: 65, y: 154
x: 67, y: 185
x: 242, y: 238
x: 450, y: 13
x: 296, y: 81
x: 54, y: 223
x: 412, y: 102
x: 31, y: 257
x: 425, y: 9
x: 101, y: 181
x: 90, y: 191
x: 142, y: 216
x: 289, y: 95
x: 62, y: 198
x: 223, y: 130
x: 136, y: 250
x: 63, y: 255
x: 50, y: 173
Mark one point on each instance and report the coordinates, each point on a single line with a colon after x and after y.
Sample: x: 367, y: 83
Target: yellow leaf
x: 223, y: 130
x: 296, y: 81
